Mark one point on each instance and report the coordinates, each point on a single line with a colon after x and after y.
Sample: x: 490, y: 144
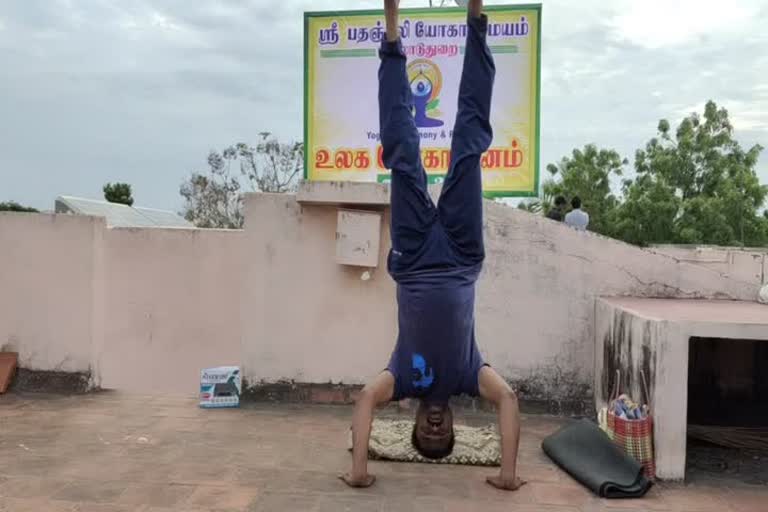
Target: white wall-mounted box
x: 358, y: 235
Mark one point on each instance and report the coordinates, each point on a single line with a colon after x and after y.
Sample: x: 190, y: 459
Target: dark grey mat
x: 587, y: 454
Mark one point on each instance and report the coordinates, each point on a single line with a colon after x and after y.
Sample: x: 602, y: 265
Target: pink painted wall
x: 535, y: 308
x: 46, y: 289
x: 142, y: 310
x: 310, y: 319
x: 171, y: 307
x: 145, y: 309
x: 749, y: 265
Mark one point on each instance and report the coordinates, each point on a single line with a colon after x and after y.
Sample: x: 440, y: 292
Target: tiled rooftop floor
x: 111, y: 452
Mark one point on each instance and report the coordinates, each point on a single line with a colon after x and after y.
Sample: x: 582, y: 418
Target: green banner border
x: 424, y: 10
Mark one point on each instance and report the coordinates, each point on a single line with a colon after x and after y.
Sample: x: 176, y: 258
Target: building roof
x: 120, y: 215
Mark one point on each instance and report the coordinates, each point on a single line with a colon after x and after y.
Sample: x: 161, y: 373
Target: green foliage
x: 587, y: 173
x: 13, y: 206
x: 694, y: 185
x: 647, y: 214
x: 537, y: 205
x: 118, y: 193
x: 530, y: 206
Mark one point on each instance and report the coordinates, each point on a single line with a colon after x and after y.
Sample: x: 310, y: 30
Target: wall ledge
x: 343, y: 192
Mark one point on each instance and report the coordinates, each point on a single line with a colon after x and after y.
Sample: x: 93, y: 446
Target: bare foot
x: 391, y: 9
x: 475, y: 8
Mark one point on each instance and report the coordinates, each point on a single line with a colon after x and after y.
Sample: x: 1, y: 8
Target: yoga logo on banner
x: 341, y: 118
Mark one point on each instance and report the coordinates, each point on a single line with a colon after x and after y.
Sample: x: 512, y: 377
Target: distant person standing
x: 577, y: 218
x: 558, y: 211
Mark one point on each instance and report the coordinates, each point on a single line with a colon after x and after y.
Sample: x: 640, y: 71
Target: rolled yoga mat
x: 586, y: 453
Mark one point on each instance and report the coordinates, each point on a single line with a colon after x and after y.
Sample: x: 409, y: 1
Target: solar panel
x: 120, y: 215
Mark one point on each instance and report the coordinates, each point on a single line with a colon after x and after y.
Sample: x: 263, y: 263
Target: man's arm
x: 376, y: 392
x: 495, y: 389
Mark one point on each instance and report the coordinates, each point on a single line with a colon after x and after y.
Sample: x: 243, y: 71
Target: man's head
x: 576, y: 202
x: 433, y: 430
x: 560, y: 202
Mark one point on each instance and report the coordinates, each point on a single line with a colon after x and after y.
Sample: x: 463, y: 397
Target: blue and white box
x: 220, y: 387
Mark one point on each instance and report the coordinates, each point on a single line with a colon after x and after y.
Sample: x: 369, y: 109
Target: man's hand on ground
x: 357, y: 481
x: 506, y: 484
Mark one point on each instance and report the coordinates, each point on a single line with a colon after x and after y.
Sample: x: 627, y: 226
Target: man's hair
x: 429, y: 453
x: 560, y: 201
x: 576, y: 202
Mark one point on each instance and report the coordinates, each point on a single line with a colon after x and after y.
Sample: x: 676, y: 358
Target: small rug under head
x: 474, y: 446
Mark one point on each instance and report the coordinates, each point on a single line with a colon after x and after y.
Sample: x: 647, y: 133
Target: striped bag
x: 635, y: 437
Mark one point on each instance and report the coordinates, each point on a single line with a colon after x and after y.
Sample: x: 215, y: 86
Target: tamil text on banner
x: 342, y: 141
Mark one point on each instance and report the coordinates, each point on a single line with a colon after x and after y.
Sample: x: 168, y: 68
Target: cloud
x: 660, y: 23
x: 141, y: 90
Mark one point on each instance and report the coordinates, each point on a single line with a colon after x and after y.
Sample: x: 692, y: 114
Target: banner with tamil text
x: 341, y: 118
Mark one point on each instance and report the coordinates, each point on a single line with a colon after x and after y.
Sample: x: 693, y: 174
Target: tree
x: 118, y: 193
x: 531, y: 206
x: 587, y: 173
x: 696, y: 186
x: 213, y: 199
x: 647, y: 213
x: 13, y: 206
x: 271, y: 166
x: 538, y: 205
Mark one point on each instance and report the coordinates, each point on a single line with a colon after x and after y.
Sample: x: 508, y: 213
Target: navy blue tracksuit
x: 437, y: 250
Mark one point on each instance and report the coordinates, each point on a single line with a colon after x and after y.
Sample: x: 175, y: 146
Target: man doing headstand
x: 436, y: 256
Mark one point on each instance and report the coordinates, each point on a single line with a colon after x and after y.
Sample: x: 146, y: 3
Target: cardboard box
x: 220, y: 387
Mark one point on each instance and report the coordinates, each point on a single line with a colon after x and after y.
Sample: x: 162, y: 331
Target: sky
x: 140, y: 91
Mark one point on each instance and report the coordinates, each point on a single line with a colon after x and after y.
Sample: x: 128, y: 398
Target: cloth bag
x: 634, y: 436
